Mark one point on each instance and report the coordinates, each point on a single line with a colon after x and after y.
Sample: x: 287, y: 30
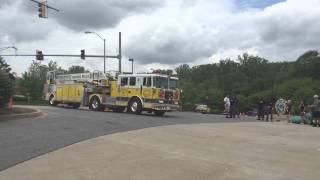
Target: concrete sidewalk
x: 254, y: 150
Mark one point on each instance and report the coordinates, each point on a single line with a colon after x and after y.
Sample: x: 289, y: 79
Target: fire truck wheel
x: 135, y: 106
x: 95, y: 104
x: 102, y: 107
x: 51, y: 101
x: 76, y: 106
x: 159, y: 113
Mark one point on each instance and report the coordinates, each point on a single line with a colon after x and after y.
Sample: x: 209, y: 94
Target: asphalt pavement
x: 23, y: 139
x: 219, y: 151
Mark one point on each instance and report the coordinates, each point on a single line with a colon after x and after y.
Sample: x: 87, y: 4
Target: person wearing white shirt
x: 226, y: 101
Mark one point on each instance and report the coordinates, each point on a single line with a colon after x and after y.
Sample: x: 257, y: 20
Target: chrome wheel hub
x: 134, y: 106
x: 51, y: 100
x: 95, y: 104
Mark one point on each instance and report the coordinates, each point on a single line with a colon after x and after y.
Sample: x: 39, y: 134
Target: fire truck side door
x: 146, y: 88
x: 124, y: 87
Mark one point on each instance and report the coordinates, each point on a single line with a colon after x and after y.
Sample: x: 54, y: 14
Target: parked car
x: 202, y: 108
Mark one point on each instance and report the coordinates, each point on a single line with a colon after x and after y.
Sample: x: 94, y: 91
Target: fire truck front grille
x: 168, y: 95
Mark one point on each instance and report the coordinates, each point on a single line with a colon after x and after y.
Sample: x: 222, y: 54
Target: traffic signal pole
x: 119, y: 56
x: 46, y: 5
x: 62, y: 55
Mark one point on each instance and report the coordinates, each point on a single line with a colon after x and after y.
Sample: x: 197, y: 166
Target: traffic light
x: 42, y: 9
x: 39, y: 55
x: 83, y: 54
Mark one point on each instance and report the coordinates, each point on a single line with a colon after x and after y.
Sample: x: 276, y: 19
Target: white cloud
x: 193, y: 31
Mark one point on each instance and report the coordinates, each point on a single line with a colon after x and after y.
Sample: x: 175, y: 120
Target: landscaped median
x: 19, y: 113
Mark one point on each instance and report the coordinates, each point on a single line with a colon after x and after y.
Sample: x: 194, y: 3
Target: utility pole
x: 104, y: 55
x: 120, y: 55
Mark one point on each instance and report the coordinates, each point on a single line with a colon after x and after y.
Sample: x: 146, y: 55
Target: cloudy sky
x: 160, y: 34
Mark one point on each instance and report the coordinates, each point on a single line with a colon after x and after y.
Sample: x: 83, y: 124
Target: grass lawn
x: 34, y: 103
x: 15, y: 110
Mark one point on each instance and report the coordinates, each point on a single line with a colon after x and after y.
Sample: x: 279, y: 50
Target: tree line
x: 31, y: 81
x: 250, y: 79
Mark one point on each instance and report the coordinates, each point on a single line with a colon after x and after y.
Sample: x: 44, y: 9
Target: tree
x: 4, y: 67
x: 33, y: 80
x: 76, y: 69
x: 183, y: 71
x: 6, y: 83
x: 307, y: 65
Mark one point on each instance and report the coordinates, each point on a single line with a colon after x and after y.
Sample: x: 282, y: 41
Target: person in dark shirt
x: 269, y: 111
x: 236, y: 107
x: 316, y: 111
x: 289, y: 110
x: 232, y: 107
x: 260, y: 110
x: 302, y: 111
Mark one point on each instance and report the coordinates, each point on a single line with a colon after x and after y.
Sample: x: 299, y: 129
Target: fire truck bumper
x: 165, y: 107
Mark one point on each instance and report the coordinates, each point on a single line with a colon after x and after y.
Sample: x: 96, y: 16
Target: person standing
x: 302, y: 111
x: 236, y: 107
x: 232, y: 107
x: 289, y: 110
x: 226, y: 101
x: 85, y: 98
x: 260, y: 110
x: 269, y: 111
x: 316, y: 111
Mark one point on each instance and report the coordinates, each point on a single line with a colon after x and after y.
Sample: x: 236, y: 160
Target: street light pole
x: 104, y: 56
x: 104, y: 48
x: 131, y: 65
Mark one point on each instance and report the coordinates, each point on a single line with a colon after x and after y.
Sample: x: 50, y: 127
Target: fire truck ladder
x: 82, y: 77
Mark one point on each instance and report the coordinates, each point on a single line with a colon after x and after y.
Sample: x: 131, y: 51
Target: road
x: 23, y: 139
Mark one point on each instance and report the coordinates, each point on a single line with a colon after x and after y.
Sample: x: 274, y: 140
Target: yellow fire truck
x: 135, y: 93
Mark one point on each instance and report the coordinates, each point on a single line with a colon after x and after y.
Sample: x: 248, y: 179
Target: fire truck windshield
x: 174, y: 83
x: 160, y: 82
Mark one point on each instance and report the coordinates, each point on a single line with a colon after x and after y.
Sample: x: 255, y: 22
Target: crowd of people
x: 305, y: 114
x: 309, y: 114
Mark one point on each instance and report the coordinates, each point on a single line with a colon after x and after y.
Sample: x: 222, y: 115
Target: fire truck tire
x: 95, y: 104
x: 75, y: 106
x: 135, y: 106
x: 159, y: 113
x: 102, y: 107
x: 52, y: 101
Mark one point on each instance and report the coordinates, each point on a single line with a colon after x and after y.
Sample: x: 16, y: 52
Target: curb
x: 35, y: 113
